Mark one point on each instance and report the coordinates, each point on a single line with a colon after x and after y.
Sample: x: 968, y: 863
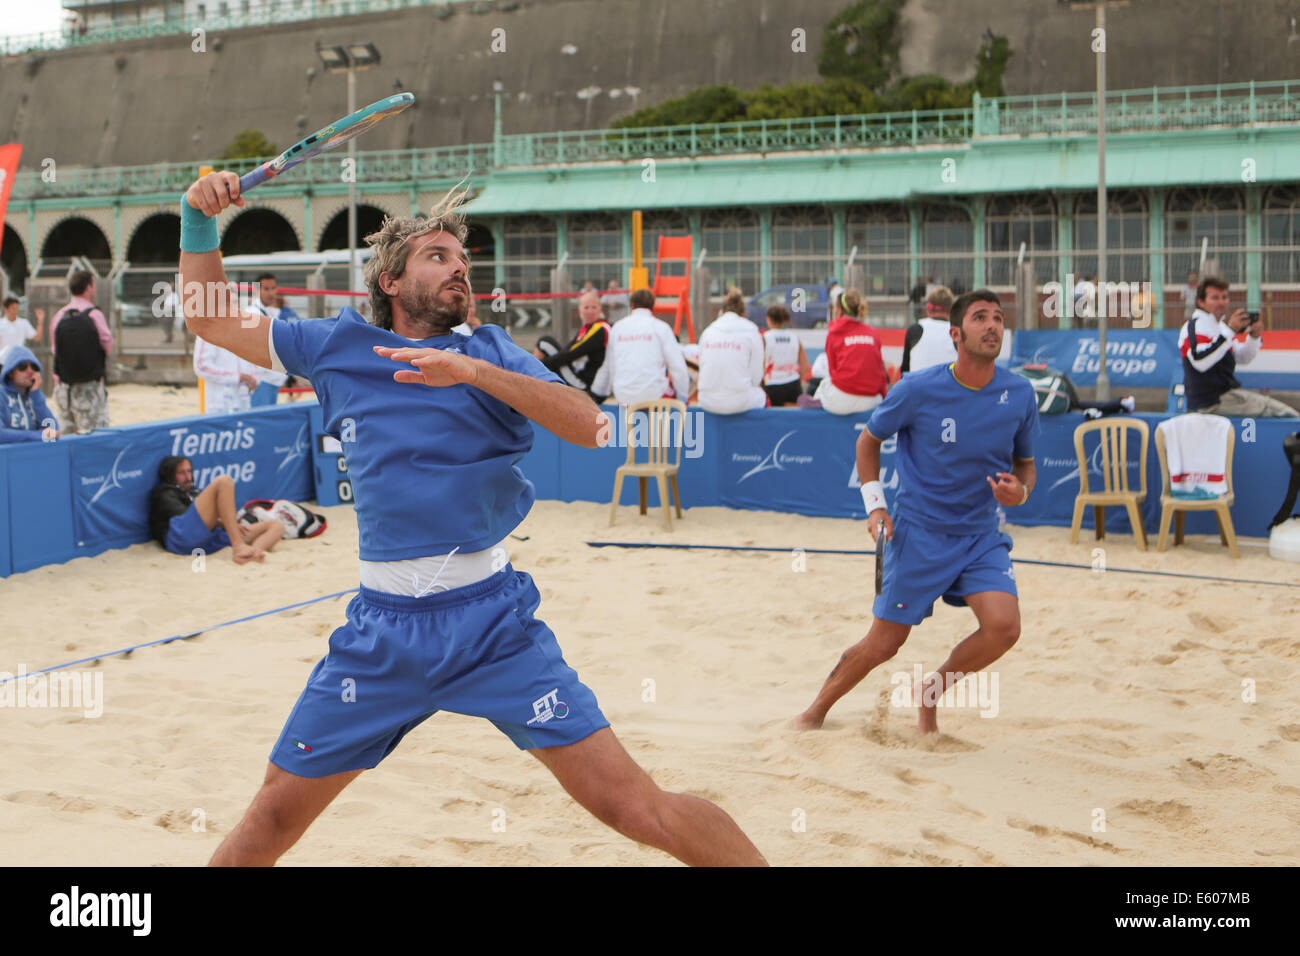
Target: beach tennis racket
x: 331, y: 137
x: 880, y: 559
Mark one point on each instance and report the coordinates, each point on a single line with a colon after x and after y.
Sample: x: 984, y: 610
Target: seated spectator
x: 731, y: 361
x: 579, y: 363
x: 643, y: 360
x: 857, y: 381
x: 184, y: 520
x: 24, y: 414
x: 785, y: 365
x: 929, y: 341
x: 16, y: 331
x: 1210, y: 350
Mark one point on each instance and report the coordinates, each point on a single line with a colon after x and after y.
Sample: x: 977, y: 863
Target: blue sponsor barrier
x: 84, y: 494
x: 1136, y: 358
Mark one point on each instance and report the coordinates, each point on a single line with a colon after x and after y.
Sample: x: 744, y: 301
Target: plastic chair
x: 660, y: 439
x: 1114, y: 433
x: 1175, y: 508
x: 673, y: 293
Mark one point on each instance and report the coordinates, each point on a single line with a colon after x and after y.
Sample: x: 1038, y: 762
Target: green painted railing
x: 1127, y: 111
x: 259, y: 16
x: 373, y: 166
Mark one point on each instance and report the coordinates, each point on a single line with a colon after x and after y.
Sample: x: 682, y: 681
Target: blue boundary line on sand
x: 181, y: 637
x: 1046, y: 564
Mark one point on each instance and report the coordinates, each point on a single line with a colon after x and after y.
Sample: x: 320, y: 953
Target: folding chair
x: 660, y: 438
x: 1176, y: 508
x: 1115, y: 488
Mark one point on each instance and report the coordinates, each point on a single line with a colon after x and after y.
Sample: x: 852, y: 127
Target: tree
x: 861, y: 43
x: 250, y: 144
x: 709, y: 104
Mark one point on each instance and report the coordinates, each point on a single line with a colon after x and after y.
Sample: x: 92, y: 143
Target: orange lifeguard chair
x: 672, y: 292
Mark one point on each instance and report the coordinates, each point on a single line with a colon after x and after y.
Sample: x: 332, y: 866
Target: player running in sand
x: 433, y: 423
x: 965, y: 445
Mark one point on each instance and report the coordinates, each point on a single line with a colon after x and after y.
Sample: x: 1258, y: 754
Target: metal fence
x: 1162, y: 108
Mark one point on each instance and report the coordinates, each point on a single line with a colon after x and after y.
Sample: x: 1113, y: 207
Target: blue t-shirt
x: 951, y: 438
x: 432, y: 469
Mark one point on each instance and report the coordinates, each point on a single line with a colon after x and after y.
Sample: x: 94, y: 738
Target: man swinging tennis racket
x: 441, y: 622
x: 965, y: 445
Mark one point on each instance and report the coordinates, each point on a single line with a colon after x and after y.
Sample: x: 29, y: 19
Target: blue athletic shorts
x: 474, y: 650
x: 187, y: 532
x: 923, y: 565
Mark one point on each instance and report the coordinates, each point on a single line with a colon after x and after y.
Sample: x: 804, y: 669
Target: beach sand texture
x: 1123, y: 700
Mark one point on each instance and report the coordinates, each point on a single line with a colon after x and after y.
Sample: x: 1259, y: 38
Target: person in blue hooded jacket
x: 24, y: 415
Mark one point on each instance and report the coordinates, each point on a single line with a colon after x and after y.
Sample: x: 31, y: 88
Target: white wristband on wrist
x: 873, y: 496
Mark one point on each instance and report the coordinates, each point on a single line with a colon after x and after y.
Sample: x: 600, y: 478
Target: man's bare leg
x: 998, y: 614
x: 278, y: 816
x: 599, y: 774
x: 881, y: 643
x: 263, y: 536
x: 216, y: 504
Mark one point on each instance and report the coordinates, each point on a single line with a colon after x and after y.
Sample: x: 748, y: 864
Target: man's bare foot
x: 927, y: 721
x: 807, y: 721
x: 243, y: 554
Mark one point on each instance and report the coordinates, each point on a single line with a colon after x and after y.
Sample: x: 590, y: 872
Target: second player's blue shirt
x: 951, y: 439
x: 432, y: 469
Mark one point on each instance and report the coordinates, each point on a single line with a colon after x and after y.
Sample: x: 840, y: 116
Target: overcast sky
x: 30, y: 16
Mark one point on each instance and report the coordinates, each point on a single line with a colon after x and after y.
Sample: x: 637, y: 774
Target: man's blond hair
x: 389, y: 246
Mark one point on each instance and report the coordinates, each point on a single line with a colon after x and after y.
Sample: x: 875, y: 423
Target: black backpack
x: 78, y: 355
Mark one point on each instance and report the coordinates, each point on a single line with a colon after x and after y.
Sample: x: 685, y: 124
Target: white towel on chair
x: 1197, y: 448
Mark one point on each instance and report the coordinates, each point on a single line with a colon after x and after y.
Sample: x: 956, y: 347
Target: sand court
x: 1121, y: 706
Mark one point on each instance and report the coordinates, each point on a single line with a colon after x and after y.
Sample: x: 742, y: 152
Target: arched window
x: 1282, y: 228
x: 1126, y: 236
x: 595, y: 244
x: 529, y: 254
x: 731, y: 238
x: 881, y: 235
x: 1010, y: 221
x: 1192, y: 215
x: 947, y: 244
x: 801, y: 245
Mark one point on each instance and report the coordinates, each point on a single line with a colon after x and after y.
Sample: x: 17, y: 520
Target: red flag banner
x: 8, y: 170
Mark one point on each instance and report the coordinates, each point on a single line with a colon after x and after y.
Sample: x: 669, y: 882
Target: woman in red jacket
x: 857, y: 381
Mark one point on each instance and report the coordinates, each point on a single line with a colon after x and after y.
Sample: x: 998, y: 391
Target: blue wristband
x: 198, y: 231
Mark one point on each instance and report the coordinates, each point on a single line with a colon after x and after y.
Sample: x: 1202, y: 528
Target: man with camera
x: 1210, y: 352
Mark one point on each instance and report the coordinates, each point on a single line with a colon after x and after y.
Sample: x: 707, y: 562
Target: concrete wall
x: 157, y: 100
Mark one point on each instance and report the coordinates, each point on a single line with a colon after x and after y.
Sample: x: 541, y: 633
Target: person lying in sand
x: 184, y: 520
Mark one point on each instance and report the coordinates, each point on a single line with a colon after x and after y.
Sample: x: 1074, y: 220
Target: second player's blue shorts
x: 474, y: 650
x: 187, y: 533
x: 922, y: 566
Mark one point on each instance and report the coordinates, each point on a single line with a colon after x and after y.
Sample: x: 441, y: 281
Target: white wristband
x: 873, y: 496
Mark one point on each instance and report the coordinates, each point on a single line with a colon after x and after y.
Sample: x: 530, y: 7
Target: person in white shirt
x: 731, y: 361
x: 929, y: 341
x: 643, y: 360
x: 229, y: 381
x: 16, y: 331
x: 785, y: 363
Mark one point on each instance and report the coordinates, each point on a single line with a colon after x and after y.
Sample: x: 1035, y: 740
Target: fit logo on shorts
x: 544, y: 708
